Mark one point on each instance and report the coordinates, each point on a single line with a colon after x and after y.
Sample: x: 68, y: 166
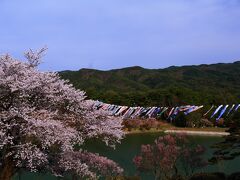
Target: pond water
x: 130, y: 146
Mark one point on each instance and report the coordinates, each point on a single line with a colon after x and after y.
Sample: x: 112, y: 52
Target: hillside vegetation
x: 202, y: 84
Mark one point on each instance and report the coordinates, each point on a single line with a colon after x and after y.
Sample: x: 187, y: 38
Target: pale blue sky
x: 106, y: 34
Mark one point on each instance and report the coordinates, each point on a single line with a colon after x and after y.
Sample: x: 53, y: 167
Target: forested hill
x: 203, y: 84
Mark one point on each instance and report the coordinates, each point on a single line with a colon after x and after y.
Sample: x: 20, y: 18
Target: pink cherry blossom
x: 162, y: 156
x: 43, y: 118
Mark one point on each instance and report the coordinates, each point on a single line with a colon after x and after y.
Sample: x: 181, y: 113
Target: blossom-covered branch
x: 41, y: 114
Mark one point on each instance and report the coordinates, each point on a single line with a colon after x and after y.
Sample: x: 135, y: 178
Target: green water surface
x: 130, y: 146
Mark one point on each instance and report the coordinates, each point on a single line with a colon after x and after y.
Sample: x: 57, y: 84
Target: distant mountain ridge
x: 198, y: 84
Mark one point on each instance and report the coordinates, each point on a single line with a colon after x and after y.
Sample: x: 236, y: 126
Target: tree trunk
x: 7, y: 171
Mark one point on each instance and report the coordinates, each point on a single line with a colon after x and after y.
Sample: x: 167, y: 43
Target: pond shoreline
x: 188, y: 131
x: 200, y: 133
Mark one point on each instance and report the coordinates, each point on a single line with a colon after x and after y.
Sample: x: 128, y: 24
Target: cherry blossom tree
x: 162, y: 157
x: 44, y: 121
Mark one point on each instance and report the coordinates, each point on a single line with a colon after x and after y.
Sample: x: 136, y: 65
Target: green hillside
x: 203, y: 84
